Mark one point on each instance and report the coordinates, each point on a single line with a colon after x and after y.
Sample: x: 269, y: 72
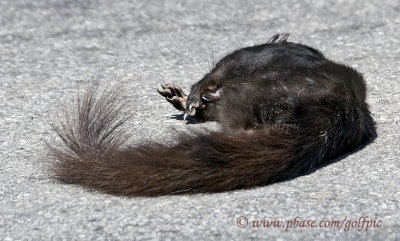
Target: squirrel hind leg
x: 278, y: 38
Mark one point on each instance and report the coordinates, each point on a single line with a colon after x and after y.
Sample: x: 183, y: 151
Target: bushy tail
x: 92, y: 154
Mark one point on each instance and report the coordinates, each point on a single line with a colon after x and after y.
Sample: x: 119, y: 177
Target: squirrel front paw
x: 174, y: 95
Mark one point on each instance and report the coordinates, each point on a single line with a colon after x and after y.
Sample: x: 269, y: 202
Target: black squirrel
x: 283, y: 107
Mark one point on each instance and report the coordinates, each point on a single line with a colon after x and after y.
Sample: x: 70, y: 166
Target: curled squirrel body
x: 283, y: 107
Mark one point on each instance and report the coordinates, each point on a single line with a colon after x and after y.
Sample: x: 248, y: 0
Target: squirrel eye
x: 206, y: 97
x: 211, y: 96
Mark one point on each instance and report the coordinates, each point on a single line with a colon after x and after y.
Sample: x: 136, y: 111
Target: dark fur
x: 284, y: 109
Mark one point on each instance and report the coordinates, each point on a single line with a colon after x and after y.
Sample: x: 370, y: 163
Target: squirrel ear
x: 278, y: 38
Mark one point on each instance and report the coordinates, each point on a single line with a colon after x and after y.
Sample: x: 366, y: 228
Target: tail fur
x: 92, y: 152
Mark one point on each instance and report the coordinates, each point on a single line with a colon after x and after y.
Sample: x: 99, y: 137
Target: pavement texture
x: 51, y: 50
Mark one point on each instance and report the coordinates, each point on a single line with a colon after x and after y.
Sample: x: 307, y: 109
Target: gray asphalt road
x: 52, y: 49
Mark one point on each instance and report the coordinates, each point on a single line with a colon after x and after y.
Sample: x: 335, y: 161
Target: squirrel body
x: 283, y: 107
